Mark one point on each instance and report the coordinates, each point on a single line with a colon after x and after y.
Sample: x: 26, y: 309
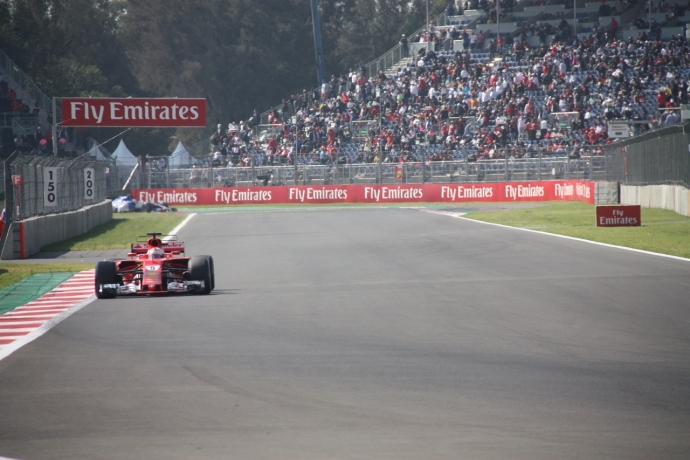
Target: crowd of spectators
x: 14, y: 113
x: 552, y: 99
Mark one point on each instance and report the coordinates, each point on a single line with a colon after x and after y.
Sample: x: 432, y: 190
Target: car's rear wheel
x: 106, y: 273
x: 199, y: 270
x: 213, y: 271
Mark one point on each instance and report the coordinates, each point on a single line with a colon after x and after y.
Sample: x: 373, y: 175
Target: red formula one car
x: 155, y: 267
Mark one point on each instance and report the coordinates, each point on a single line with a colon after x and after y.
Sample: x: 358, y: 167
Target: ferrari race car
x: 155, y: 267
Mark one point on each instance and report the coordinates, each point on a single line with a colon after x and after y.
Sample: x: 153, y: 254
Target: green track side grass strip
x: 662, y: 231
x: 29, y: 289
x: 120, y: 232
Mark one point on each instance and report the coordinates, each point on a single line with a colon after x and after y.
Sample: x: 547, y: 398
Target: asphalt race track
x: 373, y: 334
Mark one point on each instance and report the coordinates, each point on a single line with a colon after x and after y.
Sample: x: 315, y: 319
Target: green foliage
x: 13, y: 272
x: 239, y: 54
x: 82, y: 80
x: 120, y: 232
x: 150, y: 142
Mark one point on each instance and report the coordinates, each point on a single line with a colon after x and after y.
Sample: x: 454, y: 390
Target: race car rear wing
x: 169, y: 247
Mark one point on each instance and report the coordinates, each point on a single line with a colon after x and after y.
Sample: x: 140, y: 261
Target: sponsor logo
x: 564, y: 190
x: 583, y: 190
x: 170, y: 197
x: 134, y: 112
x: 618, y: 216
x: 617, y: 221
x: 524, y: 191
x: 310, y: 193
x: 236, y: 195
x: 462, y: 192
x: 396, y: 193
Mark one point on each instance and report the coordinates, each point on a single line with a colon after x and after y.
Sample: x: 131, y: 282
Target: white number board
x: 89, y: 176
x: 50, y: 186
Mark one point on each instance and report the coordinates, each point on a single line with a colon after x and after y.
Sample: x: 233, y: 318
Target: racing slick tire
x: 213, y: 271
x: 106, y: 273
x: 200, y: 270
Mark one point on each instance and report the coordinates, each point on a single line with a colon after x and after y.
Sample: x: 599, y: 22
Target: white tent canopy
x: 180, y: 157
x: 98, y: 152
x: 124, y: 156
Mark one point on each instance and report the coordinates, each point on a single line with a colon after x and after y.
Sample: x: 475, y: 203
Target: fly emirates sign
x: 389, y: 193
x: 134, y: 112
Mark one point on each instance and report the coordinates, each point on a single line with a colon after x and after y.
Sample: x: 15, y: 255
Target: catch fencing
x: 659, y: 157
x: 38, y: 185
x: 502, y: 170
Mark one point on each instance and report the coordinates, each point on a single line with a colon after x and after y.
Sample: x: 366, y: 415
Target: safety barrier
x: 502, y: 170
x: 42, y: 185
x: 50, y: 199
x: 26, y: 237
x: 657, y: 157
x: 402, y: 193
x: 672, y: 197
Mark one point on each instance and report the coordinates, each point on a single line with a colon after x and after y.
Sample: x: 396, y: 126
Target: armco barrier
x: 404, y: 193
x: 27, y: 237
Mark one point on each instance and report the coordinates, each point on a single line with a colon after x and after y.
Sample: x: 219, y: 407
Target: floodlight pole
x: 498, y: 19
x: 318, y: 47
x: 428, y: 27
x: 575, y: 19
x: 649, y: 17
x: 54, y: 129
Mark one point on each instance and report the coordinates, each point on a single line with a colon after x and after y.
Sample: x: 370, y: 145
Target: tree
x: 240, y: 55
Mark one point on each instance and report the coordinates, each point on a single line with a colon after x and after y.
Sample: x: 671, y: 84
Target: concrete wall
x: 606, y: 193
x: 30, y: 235
x: 671, y: 197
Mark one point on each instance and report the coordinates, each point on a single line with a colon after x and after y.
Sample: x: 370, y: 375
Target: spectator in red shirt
x: 661, y: 99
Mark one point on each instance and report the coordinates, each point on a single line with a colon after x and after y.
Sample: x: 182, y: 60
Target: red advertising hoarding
x: 619, y: 216
x: 405, y: 193
x: 134, y: 112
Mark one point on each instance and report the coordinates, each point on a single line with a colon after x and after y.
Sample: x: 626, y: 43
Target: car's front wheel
x: 200, y: 270
x: 213, y: 271
x: 106, y: 273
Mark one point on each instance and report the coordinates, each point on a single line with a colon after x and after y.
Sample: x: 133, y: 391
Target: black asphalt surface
x: 372, y: 334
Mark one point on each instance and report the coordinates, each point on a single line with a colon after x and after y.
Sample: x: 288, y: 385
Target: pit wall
x: 566, y: 190
x: 27, y: 237
x: 671, y: 197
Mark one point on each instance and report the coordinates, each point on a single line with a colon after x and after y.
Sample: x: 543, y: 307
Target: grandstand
x: 543, y: 89
x: 548, y: 80
x: 26, y: 117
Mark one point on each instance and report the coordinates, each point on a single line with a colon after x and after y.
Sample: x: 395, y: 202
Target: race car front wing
x: 173, y: 286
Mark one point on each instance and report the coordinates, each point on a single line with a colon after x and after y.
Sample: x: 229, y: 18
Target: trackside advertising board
x: 619, y: 216
x: 134, y: 112
x: 407, y: 193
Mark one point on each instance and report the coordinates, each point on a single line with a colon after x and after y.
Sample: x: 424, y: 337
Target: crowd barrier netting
x: 38, y: 185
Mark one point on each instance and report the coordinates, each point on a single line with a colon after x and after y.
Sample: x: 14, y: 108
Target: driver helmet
x: 156, y: 253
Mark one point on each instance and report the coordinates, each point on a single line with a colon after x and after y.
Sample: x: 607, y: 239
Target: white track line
x: 640, y: 251
x: 179, y: 227
x: 58, y: 297
x: 7, y: 350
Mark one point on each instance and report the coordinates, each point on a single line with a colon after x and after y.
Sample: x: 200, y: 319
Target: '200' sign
x: 89, y: 188
x: 50, y: 186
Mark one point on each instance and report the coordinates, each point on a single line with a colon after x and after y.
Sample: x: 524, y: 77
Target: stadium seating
x: 540, y: 71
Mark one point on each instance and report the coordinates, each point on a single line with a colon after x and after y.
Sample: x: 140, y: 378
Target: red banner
x: 133, y: 112
x: 405, y: 193
x: 619, y: 216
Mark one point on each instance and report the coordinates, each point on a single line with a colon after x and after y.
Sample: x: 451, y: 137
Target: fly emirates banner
x: 387, y: 193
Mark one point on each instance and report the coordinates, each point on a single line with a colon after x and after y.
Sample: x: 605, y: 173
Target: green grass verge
x: 13, y: 272
x: 120, y: 232
x: 661, y: 231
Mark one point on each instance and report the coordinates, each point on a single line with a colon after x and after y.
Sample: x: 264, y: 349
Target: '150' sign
x: 50, y: 186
